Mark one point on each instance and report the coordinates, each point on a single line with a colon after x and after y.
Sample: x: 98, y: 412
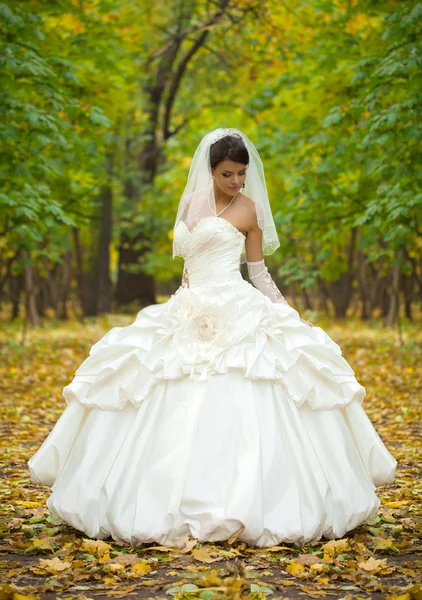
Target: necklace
x: 226, y: 207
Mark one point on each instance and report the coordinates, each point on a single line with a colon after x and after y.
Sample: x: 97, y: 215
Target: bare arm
x: 258, y: 272
x: 253, y: 244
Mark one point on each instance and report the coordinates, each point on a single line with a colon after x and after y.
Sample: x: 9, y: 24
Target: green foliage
x: 330, y: 92
x: 347, y: 133
x: 47, y: 133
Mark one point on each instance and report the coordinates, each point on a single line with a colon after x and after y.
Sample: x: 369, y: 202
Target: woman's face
x: 229, y: 176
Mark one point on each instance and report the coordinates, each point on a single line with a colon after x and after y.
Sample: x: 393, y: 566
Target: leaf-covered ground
x: 43, y: 558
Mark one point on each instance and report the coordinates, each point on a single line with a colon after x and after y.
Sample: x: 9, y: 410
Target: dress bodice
x: 211, y: 250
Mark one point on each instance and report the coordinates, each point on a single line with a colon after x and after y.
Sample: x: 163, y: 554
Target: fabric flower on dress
x: 200, y: 329
x: 206, y: 327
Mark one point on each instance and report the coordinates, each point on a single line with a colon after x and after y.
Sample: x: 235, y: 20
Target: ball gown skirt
x: 215, y: 412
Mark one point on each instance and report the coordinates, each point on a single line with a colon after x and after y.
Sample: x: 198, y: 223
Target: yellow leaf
x: 211, y: 580
x: 399, y: 597
x: 416, y: 591
x: 141, y: 568
x: 115, y: 567
x: 121, y: 593
x: 336, y: 547
x: 384, y: 543
x: 54, y: 565
x: 318, y: 567
x: 95, y: 547
x: 372, y: 565
x: 202, y: 555
x: 43, y: 544
x: 295, y: 568
x: 105, y: 557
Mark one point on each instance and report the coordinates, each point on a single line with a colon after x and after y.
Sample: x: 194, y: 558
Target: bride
x: 220, y: 412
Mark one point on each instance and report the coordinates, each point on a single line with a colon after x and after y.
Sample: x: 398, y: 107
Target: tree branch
x: 178, y: 38
x: 174, y: 86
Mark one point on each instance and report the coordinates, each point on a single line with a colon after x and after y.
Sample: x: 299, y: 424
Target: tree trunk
x: 65, y: 285
x: 362, y: 281
x: 104, y: 287
x: 31, y: 315
x: 408, y: 294
x: 341, y: 290
x: 323, y: 296
x: 132, y: 286
x: 16, y: 284
x: 41, y: 298
x: 306, y: 299
x: 86, y: 291
x: 394, y: 304
x: 167, y: 67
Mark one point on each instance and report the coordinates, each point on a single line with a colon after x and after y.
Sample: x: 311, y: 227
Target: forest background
x: 103, y: 103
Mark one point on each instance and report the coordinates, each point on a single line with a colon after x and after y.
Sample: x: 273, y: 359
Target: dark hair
x: 229, y: 147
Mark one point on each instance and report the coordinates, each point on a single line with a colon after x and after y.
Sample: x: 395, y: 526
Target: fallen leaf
x: 141, y: 568
x: 308, y: 559
x: 95, y: 547
x: 202, y: 555
x: 125, y: 559
x: 115, y: 567
x: 235, y: 535
x: 373, y: 565
x: 186, y: 544
x: 121, y: 593
x: 54, y: 565
x: 336, y: 547
x: 42, y: 544
x: 295, y: 568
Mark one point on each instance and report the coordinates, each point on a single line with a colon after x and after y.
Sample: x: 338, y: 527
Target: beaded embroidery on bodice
x: 205, y: 230
x: 211, y: 249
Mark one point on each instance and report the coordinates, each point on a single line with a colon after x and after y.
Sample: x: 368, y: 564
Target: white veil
x: 198, y: 200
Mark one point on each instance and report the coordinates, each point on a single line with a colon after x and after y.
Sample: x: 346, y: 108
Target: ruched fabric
x: 217, y: 411
x: 246, y: 332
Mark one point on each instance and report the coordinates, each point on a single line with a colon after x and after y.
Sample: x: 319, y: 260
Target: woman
x: 221, y: 412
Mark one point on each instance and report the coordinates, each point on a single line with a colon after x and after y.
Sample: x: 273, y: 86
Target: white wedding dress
x: 213, y: 413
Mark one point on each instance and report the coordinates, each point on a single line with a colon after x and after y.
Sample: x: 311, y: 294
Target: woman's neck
x: 221, y: 198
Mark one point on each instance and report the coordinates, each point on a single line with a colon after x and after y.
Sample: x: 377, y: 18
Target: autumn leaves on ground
x: 44, y: 558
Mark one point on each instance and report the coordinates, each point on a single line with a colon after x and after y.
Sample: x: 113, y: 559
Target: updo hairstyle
x: 229, y: 147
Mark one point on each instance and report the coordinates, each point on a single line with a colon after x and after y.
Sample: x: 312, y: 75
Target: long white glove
x: 262, y: 280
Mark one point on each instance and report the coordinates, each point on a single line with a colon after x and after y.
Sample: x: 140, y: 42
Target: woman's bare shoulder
x: 246, y: 201
x: 249, y: 210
